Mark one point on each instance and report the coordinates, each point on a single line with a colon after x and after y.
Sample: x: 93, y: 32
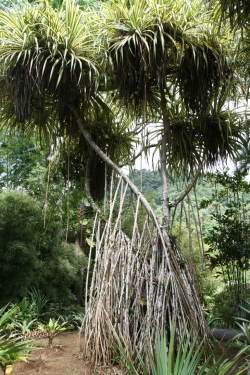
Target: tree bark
x: 188, y: 188
x: 164, y: 177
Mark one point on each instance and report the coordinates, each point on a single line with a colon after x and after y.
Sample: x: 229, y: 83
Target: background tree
x: 228, y: 240
x: 58, y: 269
x: 32, y: 255
x: 19, y: 158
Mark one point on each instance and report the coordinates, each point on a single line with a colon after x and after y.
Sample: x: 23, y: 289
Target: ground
x: 64, y: 358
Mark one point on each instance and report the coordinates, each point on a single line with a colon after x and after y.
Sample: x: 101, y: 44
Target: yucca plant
x: 188, y: 359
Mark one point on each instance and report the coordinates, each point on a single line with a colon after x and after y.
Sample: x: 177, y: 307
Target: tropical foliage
x: 11, y: 348
x: 228, y: 239
x: 189, y: 359
x: 52, y: 328
x: 19, y: 223
x: 90, y: 82
x: 33, y: 255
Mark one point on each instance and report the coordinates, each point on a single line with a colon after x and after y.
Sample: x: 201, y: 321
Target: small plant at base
x: 242, y: 340
x: 52, y: 328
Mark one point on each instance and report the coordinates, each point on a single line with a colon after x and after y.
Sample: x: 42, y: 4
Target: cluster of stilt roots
x: 138, y: 282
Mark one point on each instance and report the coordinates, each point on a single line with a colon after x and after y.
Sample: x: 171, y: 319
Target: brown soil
x: 63, y: 358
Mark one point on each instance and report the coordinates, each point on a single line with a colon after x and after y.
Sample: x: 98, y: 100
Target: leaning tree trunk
x: 140, y: 283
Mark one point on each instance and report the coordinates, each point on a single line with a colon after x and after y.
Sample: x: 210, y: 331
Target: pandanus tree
x: 53, y: 70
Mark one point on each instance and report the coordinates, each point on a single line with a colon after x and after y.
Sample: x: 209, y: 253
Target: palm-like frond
x: 129, y: 27
x: 238, y: 11
x: 137, y: 46
x: 47, y: 51
x: 152, y: 42
x: 207, y: 58
x: 111, y: 130
x: 207, y: 139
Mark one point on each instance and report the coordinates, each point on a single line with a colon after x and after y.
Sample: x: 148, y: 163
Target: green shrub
x: 59, y: 273
x: 19, y: 227
x: 31, y: 255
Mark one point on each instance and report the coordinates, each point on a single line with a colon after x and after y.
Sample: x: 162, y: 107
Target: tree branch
x: 109, y: 162
x: 188, y: 188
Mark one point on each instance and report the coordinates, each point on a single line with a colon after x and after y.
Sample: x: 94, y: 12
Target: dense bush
x: 59, y: 273
x: 33, y: 256
x: 19, y: 228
